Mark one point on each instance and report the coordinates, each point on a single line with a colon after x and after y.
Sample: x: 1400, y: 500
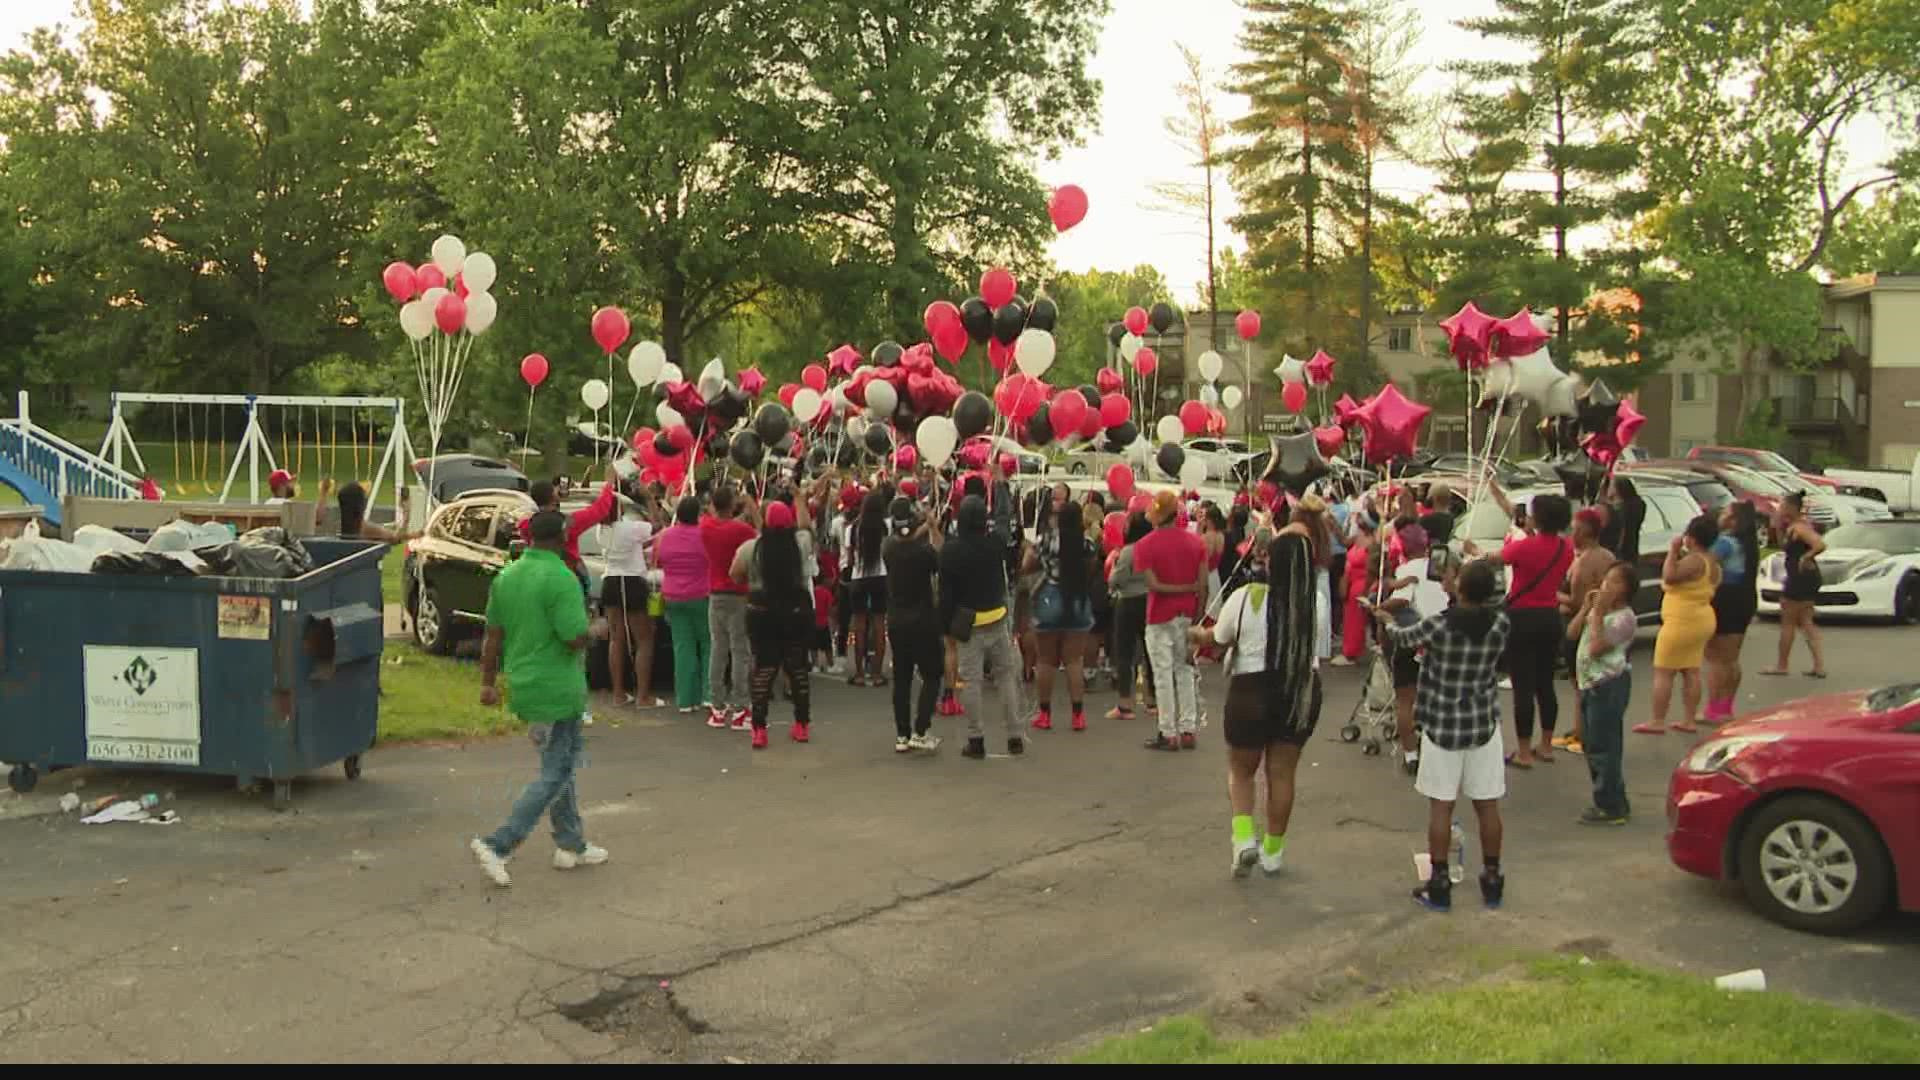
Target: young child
x: 822, y: 626
x: 1458, y: 709
x: 1604, y: 629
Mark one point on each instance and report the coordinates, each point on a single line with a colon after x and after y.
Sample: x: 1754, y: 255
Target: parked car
x: 450, y: 568
x: 1871, y: 568
x: 1088, y: 459
x: 1810, y: 806
x: 1898, y: 488
x: 1851, y: 509
x: 455, y: 475
x: 1763, y: 461
x: 1763, y: 491
x: 1222, y: 456
x: 1456, y: 462
x: 1705, y: 487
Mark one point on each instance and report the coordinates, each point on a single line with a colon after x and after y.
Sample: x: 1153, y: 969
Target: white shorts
x: 1478, y: 774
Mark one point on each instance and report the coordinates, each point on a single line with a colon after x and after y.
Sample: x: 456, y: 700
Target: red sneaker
x: 1079, y: 721
x: 742, y: 720
x: 1188, y: 742
x: 798, y: 731
x: 759, y: 738
x: 716, y: 717
x: 1043, y: 721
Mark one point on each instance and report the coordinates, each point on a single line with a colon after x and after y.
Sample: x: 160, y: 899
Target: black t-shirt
x: 911, y: 566
x: 1438, y: 525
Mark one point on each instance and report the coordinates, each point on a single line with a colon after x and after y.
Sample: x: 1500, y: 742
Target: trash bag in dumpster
x: 262, y: 553
x: 147, y: 563
x: 31, y: 551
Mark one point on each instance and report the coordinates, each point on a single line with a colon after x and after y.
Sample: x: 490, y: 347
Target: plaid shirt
x: 1458, y: 703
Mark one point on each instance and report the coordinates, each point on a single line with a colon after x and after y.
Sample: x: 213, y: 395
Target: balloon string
x: 524, y: 442
x: 1380, y: 584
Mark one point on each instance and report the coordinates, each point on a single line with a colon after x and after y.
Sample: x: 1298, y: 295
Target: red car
x: 1813, y: 806
x: 1761, y: 461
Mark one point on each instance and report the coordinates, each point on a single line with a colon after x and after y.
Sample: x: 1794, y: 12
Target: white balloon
x: 1534, y: 377
x: 1209, y: 396
x: 482, y: 309
x: 837, y: 401
x: 450, y: 255
x: 416, y: 318
x: 645, y: 363
x: 1170, y: 429
x: 432, y: 297
x: 594, y: 394
x: 1291, y: 370
x: 936, y: 439
x: 1193, y: 473
x: 714, y: 370
x: 668, y: 416
x: 1211, y: 365
x: 1560, y: 397
x: 1034, y: 351
x: 882, y: 398
x: 1231, y: 397
x: 1497, y: 380
x: 856, y: 427
x: 671, y: 373
x: 806, y: 404
x: 479, y: 272
x: 1130, y: 347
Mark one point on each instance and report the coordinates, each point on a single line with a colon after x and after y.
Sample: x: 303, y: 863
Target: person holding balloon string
x: 1537, y: 564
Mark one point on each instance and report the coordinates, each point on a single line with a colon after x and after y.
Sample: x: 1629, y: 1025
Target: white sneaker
x: 1245, y: 854
x: 1340, y: 661
x: 929, y: 741
x: 491, y: 864
x: 567, y: 860
x: 902, y: 744
x: 1271, y: 863
x: 1506, y: 683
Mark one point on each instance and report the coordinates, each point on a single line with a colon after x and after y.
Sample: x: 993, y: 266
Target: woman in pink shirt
x: 685, y: 582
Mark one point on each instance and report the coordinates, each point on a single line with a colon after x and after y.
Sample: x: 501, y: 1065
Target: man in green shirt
x: 536, y: 620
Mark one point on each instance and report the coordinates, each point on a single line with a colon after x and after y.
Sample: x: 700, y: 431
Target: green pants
x: 687, y: 622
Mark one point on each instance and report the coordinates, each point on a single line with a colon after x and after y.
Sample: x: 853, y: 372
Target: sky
x: 1137, y: 64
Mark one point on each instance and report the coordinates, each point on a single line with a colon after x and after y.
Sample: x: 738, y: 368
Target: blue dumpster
x: 260, y: 679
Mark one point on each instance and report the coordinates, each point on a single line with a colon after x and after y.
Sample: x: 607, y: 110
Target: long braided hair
x: 1291, y: 597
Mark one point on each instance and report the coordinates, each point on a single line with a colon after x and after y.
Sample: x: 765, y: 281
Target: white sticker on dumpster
x: 143, y: 705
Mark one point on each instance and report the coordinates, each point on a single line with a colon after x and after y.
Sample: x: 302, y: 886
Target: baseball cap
x: 278, y: 477
x: 1165, y: 506
x: 779, y: 516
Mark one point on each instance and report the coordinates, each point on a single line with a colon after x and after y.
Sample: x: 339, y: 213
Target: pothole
x: 642, y: 1012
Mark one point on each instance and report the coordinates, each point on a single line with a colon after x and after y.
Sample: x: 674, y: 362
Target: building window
x: 1400, y: 339
x: 1689, y: 387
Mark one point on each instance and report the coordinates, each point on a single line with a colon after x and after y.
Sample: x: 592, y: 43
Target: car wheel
x: 430, y: 628
x: 1813, y: 864
x: 1906, y: 600
x: 1078, y: 468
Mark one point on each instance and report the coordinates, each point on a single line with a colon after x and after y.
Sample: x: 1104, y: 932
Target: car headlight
x: 1716, y: 755
x: 1877, y: 570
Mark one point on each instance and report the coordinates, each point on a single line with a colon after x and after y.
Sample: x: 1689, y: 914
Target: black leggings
x: 1532, y: 645
x: 915, y: 648
x: 778, y: 644
x: 1130, y: 644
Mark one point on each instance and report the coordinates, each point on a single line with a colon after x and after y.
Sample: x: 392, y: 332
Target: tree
x: 195, y: 179
x: 1379, y: 87
x: 1200, y: 132
x: 1880, y: 236
x: 1297, y: 174
x: 1561, y: 112
x: 1089, y: 303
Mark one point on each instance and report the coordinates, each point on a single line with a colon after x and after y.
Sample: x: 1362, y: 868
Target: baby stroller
x: 1373, y: 723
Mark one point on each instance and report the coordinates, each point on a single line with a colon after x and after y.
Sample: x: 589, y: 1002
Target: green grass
x: 1603, y: 1013
x: 425, y: 697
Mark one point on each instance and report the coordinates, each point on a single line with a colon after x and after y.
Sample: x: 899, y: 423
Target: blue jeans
x: 560, y: 745
x: 1603, y: 717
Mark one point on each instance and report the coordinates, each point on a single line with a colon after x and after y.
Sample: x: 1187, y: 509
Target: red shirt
x: 723, y: 537
x: 1177, y: 557
x: 578, y: 522
x: 822, y: 606
x: 1537, y: 563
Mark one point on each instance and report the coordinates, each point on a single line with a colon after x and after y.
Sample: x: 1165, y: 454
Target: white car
x: 1852, y: 509
x: 1221, y: 455
x: 1869, y: 569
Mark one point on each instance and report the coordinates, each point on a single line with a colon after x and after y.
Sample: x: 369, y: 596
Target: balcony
x: 1813, y: 412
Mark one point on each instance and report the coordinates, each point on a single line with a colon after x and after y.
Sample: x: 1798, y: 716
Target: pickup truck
x: 1898, y: 488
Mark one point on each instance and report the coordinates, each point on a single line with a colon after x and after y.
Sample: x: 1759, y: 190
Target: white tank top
x: 627, y: 548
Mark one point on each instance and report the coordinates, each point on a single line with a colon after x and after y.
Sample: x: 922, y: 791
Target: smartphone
x: 1441, y: 561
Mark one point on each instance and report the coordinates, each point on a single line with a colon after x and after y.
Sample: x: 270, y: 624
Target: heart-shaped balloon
x: 1109, y: 381
x: 1332, y: 439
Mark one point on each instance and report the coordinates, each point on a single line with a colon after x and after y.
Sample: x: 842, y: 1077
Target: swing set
x: 206, y: 416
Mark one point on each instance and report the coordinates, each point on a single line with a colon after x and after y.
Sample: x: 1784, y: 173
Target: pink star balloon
x: 1392, y: 424
x: 1468, y: 333
x: 1517, y: 336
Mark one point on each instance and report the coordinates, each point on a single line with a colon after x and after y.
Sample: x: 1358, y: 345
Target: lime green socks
x: 1272, y: 845
x: 1242, y: 828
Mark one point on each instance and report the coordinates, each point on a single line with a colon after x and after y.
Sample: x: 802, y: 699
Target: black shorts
x: 823, y: 639
x: 1733, y: 609
x: 1405, y: 664
x: 867, y: 596
x: 1250, y: 725
x: 624, y: 594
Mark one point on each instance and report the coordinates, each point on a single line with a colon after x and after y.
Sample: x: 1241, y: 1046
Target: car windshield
x: 1711, y: 495
x: 1889, y: 698
x: 1758, y: 482
x: 1892, y: 537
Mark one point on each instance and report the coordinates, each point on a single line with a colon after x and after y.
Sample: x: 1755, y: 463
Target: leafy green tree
x: 1880, y: 236
x: 1380, y: 73
x: 1089, y: 303
x: 1200, y: 131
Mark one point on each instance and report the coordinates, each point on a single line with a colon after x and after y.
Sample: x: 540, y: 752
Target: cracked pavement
x: 827, y: 902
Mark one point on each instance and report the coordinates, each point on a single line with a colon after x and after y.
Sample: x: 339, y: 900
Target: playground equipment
x: 255, y: 448
x: 45, y: 469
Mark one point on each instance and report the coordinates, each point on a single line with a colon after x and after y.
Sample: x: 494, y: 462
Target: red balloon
x: 1120, y: 482
x: 815, y: 378
x: 1320, y: 369
x: 1332, y: 439
x: 610, y: 328
x: 1109, y: 381
x: 680, y: 436
x: 1146, y: 361
x: 1009, y: 465
x: 1392, y: 424
x: 450, y: 313
x: 938, y: 314
x: 1469, y: 335
x: 533, y: 368
x: 1247, y: 323
x: 1138, y: 501
x: 951, y: 340
x: 1090, y: 424
x: 1294, y: 397
x: 460, y: 286
x: 752, y: 381
x: 1627, y: 424
x: 910, y: 487
x: 906, y: 459
x: 787, y: 390
x: 1136, y: 321
x: 642, y: 441
x: 1193, y: 417
x: 400, y: 281
x: 1216, y: 423
x: 1115, y: 409
x: 1345, y: 411
x: 429, y: 277
x: 1068, y: 410
x: 1020, y: 396
x: 1068, y: 207
x: 1113, y: 527
x: 1515, y: 337
x: 996, y: 288
x: 1000, y: 356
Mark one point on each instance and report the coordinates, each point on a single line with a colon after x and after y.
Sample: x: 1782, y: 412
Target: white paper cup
x: 1750, y: 979
x: 1423, y: 868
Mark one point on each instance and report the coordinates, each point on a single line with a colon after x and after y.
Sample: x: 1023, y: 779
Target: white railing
x: 58, y: 465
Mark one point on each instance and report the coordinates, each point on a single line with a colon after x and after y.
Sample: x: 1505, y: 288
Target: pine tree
x: 1379, y: 80
x: 1298, y: 173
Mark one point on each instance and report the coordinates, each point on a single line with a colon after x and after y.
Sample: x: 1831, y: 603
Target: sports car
x: 1870, y: 568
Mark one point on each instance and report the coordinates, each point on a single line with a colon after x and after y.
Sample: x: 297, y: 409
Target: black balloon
x: 747, y: 450
x: 1121, y: 435
x: 879, y: 443
x: 1009, y: 321
x: 1577, y: 473
x: 731, y: 405
x: 1115, y: 332
x: 847, y: 454
x: 664, y: 446
x: 1160, y: 316
x: 1043, y: 315
x: 1297, y: 462
x: 816, y: 459
x: 785, y: 445
x: 1092, y: 396
x: 971, y: 414
x: 1170, y: 458
x: 977, y: 317
x: 1040, y: 426
x: 772, y: 423
x: 887, y: 354
x: 718, y: 443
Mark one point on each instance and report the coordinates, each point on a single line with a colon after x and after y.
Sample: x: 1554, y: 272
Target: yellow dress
x: 1686, y: 622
